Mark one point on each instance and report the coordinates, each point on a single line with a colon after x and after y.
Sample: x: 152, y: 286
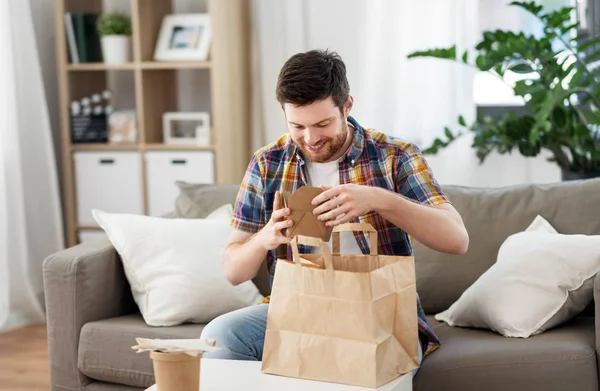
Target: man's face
x: 319, y: 130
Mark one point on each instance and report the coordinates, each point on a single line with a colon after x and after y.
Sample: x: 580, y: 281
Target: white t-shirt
x: 328, y: 174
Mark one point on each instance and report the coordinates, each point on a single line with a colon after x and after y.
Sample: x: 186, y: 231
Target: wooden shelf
x: 90, y: 227
x: 176, y: 65
x: 157, y: 91
x: 143, y: 65
x: 100, y: 67
x: 104, y: 147
x: 139, y: 147
x: 168, y: 147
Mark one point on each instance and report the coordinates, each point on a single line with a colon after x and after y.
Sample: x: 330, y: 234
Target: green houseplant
x: 560, y: 87
x: 115, y: 32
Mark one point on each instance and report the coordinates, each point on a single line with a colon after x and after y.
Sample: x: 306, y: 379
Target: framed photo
x: 184, y: 37
x: 186, y: 128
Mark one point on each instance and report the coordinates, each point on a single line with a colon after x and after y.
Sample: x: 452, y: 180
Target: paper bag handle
x: 360, y: 227
x: 310, y: 241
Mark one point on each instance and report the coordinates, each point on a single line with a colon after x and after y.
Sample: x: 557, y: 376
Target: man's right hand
x: 272, y: 235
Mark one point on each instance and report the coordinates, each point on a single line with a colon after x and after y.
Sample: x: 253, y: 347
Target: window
x: 490, y: 90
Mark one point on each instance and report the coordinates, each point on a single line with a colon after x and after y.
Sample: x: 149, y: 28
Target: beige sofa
x: 92, y: 319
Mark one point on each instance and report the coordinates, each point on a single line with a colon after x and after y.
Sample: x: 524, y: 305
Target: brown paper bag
x: 353, y: 321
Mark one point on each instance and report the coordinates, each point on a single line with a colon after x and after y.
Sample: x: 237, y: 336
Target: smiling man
x: 366, y: 176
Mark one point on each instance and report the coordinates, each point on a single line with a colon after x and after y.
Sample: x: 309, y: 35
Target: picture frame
x: 184, y: 37
x: 187, y: 128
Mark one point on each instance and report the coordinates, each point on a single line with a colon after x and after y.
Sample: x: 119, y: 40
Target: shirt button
x: 352, y: 161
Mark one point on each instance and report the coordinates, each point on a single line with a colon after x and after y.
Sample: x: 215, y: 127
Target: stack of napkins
x: 193, y: 347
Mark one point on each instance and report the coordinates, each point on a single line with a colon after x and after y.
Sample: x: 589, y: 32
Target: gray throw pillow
x: 196, y: 201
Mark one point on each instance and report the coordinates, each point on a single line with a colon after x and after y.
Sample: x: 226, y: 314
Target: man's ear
x: 348, y: 106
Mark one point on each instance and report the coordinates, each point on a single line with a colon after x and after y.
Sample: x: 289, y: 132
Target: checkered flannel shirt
x: 374, y: 159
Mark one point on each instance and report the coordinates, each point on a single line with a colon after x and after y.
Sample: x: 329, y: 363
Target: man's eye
x: 323, y: 125
x: 298, y: 126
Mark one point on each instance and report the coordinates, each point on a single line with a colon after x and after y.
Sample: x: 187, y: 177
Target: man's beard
x: 332, y: 146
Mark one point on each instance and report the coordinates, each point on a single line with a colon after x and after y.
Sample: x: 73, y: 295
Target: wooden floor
x: 24, y: 360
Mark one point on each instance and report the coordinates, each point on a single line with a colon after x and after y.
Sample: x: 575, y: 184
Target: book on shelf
x: 83, y: 39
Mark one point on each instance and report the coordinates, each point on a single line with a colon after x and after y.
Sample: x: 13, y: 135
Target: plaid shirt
x: 374, y: 159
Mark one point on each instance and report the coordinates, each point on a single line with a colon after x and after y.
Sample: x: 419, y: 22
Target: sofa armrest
x: 83, y: 283
x: 597, y: 318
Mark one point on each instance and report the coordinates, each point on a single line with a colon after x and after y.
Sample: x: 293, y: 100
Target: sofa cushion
x: 104, y: 386
x: 472, y: 360
x: 491, y: 216
x: 196, y: 201
x: 105, y: 349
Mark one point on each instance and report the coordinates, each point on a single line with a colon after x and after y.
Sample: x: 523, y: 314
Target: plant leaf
x: 521, y: 68
x: 577, y: 76
x: 583, y: 46
x: 592, y: 56
x: 564, y: 30
x: 489, y: 36
x: 528, y: 6
x: 521, y: 88
x: 483, y: 63
x: 445, y: 53
x: 448, y: 133
x: 559, y: 117
x: 461, y: 120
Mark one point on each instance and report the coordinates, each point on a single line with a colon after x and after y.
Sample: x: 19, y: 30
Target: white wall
x: 458, y: 165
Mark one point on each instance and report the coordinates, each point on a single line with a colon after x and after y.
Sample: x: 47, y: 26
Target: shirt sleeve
x: 415, y: 179
x: 248, y: 213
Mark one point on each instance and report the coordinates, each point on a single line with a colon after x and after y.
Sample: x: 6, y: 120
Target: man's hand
x: 271, y: 235
x: 349, y: 200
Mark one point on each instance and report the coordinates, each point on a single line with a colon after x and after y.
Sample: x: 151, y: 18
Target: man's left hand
x: 349, y: 200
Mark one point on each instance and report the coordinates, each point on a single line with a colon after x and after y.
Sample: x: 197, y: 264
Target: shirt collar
x: 351, y: 156
x: 357, y: 146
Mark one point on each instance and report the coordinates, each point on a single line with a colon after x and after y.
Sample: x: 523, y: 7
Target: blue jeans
x: 241, y: 334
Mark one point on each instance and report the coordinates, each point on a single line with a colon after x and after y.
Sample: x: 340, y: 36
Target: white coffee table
x: 236, y: 375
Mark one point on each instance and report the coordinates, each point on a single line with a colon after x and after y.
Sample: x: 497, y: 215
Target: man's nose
x: 311, y: 137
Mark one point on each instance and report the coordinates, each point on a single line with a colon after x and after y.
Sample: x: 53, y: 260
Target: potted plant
x: 560, y: 88
x: 115, y: 33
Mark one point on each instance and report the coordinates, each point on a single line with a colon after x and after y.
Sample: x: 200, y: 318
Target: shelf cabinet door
x: 108, y: 181
x: 164, y: 168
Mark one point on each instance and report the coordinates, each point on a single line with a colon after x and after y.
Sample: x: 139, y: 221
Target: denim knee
x: 238, y: 336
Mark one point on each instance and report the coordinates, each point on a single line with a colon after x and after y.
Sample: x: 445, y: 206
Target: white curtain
x: 413, y: 99
x: 30, y: 213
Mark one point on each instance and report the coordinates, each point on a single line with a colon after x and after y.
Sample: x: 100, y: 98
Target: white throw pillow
x: 540, y: 280
x: 223, y: 213
x: 175, y: 267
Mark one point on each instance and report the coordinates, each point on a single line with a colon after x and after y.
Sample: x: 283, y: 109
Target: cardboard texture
x: 176, y: 371
x: 351, y: 320
x: 305, y: 222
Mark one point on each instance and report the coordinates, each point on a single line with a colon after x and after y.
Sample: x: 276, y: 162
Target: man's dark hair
x: 312, y: 76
